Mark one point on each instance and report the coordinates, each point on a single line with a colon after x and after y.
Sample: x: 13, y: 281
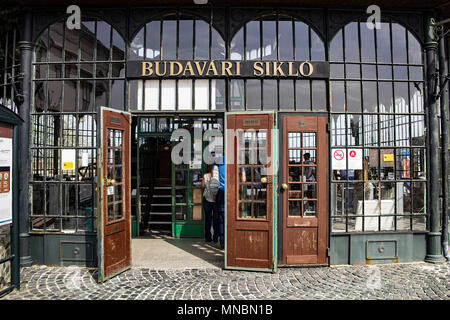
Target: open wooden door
x: 304, y: 189
x: 113, y: 218
x: 250, y: 221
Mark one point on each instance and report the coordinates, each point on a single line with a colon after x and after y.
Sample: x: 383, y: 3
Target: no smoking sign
x: 339, y: 154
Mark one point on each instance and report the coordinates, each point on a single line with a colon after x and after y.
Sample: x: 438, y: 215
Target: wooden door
x: 113, y: 224
x: 250, y: 215
x: 304, y: 191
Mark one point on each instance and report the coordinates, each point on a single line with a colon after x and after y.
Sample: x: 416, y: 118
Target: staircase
x: 161, y: 205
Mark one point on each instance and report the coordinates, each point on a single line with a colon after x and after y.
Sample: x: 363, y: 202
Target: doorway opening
x: 155, y: 188
x: 168, y: 211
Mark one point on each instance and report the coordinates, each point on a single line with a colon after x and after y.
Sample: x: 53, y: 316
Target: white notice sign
x: 355, y: 159
x: 68, y: 159
x: 110, y: 190
x: 85, y: 159
x: 339, y: 159
x: 5, y: 180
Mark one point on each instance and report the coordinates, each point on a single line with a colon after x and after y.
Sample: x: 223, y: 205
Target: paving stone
x: 397, y: 281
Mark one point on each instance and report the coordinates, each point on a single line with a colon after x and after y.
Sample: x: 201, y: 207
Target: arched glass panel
x: 76, y: 71
x: 277, y: 38
x: 177, y: 37
x: 376, y: 89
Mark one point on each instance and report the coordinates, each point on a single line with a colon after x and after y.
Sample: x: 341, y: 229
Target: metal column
x: 26, y: 52
x: 434, y: 249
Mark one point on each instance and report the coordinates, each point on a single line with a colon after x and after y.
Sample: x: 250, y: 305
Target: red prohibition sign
x: 353, y: 153
x: 338, y: 154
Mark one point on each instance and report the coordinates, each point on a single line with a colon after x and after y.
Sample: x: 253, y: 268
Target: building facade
x: 346, y: 123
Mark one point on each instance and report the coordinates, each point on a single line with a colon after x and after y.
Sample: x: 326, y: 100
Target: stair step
x: 162, y: 213
x: 162, y: 188
x: 161, y: 204
x: 162, y: 196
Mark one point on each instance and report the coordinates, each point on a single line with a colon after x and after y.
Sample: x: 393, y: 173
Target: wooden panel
x: 249, y: 239
x: 197, y: 213
x: 197, y: 195
x: 252, y: 244
x: 304, y: 237
x: 115, y: 233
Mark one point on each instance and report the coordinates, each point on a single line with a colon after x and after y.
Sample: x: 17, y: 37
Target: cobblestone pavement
x: 394, y: 281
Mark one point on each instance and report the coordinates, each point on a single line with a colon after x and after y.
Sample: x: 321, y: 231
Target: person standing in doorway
x: 219, y: 170
x: 209, y: 200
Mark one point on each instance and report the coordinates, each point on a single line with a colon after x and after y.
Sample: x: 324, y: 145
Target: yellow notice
x: 388, y: 157
x: 67, y: 165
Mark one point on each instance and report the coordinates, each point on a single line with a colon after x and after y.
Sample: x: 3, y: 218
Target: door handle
x: 264, y: 180
x: 284, y: 186
x: 110, y: 182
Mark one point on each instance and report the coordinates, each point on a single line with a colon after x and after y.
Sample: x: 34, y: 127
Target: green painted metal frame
x: 188, y: 223
x: 274, y: 186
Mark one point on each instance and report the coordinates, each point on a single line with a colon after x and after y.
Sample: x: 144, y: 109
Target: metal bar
x: 444, y: 101
x: 15, y: 267
x: 10, y: 258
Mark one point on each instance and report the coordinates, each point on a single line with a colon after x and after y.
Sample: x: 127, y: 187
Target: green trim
x: 8, y: 116
x: 275, y: 188
x: 115, y: 274
x: 225, y: 215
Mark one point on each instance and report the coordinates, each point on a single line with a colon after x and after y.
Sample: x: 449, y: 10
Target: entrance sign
x: 228, y: 68
x: 5, y: 181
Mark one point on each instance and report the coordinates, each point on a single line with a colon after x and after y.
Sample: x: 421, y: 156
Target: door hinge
x: 328, y: 252
x: 328, y: 127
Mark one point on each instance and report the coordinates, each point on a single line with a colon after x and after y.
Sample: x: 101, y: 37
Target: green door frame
x: 187, y: 227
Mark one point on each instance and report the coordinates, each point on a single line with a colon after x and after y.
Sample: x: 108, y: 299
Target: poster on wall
x: 5, y: 180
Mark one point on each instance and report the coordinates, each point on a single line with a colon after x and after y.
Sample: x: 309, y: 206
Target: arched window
x: 377, y: 109
x: 177, y: 37
x: 277, y: 37
x: 75, y: 72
